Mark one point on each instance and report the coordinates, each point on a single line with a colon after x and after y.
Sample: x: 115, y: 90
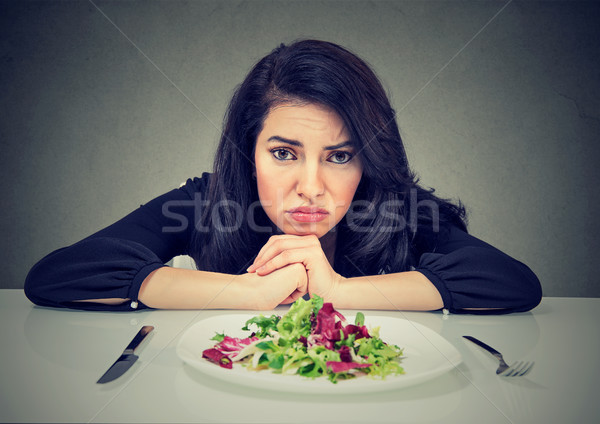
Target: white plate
x: 426, y: 356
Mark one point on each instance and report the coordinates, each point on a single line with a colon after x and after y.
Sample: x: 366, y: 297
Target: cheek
x: 343, y: 201
x: 271, y: 184
x: 265, y: 188
x: 262, y: 177
x: 347, y: 188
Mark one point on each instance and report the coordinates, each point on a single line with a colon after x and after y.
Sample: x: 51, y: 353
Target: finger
x: 287, y: 300
x: 285, y: 258
x: 278, y: 244
x: 290, y: 242
x: 302, y: 285
x: 261, y: 253
x: 297, y: 294
x: 274, y: 246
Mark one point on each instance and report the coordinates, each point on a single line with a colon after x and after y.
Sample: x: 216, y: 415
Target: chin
x: 296, y: 232
x: 306, y: 229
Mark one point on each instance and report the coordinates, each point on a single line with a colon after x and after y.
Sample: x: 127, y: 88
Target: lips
x: 308, y: 214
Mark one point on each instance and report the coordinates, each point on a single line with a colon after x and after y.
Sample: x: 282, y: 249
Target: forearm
x: 399, y: 291
x: 174, y: 288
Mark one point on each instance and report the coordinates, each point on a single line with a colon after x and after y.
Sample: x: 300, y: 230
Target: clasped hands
x: 289, y: 266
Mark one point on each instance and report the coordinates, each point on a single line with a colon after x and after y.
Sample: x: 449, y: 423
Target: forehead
x: 300, y: 118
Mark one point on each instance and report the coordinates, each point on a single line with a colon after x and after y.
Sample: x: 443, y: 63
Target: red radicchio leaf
x: 360, y: 332
x: 336, y: 366
x: 345, y: 355
x: 233, y: 344
x: 326, y: 319
x: 327, y: 330
x: 217, y: 357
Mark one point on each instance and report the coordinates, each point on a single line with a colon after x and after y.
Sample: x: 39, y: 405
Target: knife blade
x: 127, y: 358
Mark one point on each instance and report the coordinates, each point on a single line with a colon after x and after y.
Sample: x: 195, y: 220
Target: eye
x: 282, y: 154
x: 340, y: 157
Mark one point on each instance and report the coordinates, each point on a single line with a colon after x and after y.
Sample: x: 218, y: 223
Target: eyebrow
x: 299, y: 144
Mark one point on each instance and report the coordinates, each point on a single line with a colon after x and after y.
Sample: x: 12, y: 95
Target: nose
x: 310, y: 183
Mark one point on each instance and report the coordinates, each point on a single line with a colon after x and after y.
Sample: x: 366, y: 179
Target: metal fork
x: 518, y: 369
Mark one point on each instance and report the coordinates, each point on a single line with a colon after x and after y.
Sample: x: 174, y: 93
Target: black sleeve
x: 470, y: 273
x: 114, y: 262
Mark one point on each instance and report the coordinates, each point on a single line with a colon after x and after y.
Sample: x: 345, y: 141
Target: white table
x: 51, y: 360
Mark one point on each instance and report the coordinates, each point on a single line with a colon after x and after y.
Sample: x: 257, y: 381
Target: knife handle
x: 139, y: 337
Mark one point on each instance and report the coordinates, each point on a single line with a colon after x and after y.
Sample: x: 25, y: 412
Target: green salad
x: 313, y: 340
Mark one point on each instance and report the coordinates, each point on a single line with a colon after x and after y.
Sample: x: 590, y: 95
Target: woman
x: 311, y: 193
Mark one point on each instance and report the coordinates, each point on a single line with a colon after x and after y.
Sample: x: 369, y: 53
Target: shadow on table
x: 73, y: 339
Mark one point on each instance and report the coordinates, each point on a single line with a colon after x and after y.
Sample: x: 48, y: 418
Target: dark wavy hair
x: 391, y: 213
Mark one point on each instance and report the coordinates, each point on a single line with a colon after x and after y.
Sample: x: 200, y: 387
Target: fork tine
x: 515, y: 369
x: 526, y: 369
x: 518, y: 369
x: 510, y: 370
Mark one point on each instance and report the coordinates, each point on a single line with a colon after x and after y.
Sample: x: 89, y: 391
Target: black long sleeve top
x: 114, y: 262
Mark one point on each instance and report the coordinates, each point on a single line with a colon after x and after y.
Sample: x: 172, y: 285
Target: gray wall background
x: 106, y: 105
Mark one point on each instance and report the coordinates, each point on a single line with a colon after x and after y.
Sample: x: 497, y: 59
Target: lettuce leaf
x: 265, y: 325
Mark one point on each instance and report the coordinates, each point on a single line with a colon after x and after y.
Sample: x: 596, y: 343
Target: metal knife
x: 127, y: 358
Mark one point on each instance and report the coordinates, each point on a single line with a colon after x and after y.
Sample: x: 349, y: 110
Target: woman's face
x: 306, y: 168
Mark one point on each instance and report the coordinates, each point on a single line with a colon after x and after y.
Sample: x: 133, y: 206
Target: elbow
x: 522, y: 290
x: 512, y: 288
x: 40, y: 285
x: 530, y: 289
x: 34, y: 286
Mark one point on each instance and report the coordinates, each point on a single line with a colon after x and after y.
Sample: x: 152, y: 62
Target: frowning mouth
x: 307, y: 214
